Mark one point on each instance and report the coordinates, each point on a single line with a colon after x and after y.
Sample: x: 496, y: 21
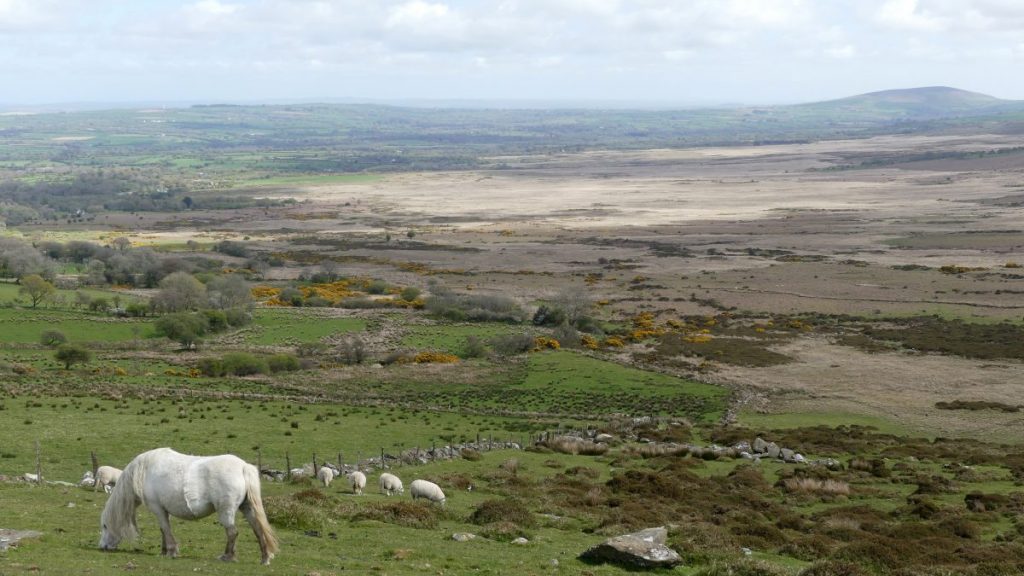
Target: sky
x: 676, y: 52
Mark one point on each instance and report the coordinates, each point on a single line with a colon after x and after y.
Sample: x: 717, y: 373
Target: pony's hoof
x: 227, y: 557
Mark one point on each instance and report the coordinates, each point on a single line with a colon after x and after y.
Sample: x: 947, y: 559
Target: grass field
x: 25, y: 326
x: 452, y: 338
x: 291, y: 326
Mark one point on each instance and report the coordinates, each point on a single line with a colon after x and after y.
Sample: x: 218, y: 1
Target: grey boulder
x: 643, y: 549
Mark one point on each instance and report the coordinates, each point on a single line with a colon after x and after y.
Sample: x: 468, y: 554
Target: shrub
x: 410, y: 294
x: 474, y: 348
x: 351, y: 350
x: 291, y: 513
x: 568, y: 337
x: 282, y: 363
x: 741, y: 568
x: 504, y: 510
x: 136, y: 310
x: 470, y: 454
x: 504, y: 531
x: 511, y: 344
x: 317, y: 302
x: 548, y: 316
x: 431, y: 357
x: 238, y: 317
x: 184, y: 328
x: 402, y: 513
x: 52, y: 338
x: 377, y: 287
x: 573, y: 445
x: 243, y: 364
x: 216, y: 321
x: 833, y: 568
x: 212, y: 367
x: 70, y: 354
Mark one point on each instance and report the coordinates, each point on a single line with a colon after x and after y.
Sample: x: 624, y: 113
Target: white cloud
x: 907, y: 14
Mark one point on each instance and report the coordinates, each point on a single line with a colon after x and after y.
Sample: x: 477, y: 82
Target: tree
x: 179, y: 292
x: 70, y: 354
x: 121, y: 243
x: 575, y: 303
x: 187, y: 201
x: 36, y: 288
x: 52, y: 338
x: 185, y: 329
x: 231, y: 291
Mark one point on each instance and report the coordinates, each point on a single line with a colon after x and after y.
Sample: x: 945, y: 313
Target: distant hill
x: 932, y: 102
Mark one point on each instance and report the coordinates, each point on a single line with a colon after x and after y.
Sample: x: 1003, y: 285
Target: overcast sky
x: 663, y: 51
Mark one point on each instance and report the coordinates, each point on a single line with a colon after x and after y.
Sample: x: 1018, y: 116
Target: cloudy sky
x: 658, y: 51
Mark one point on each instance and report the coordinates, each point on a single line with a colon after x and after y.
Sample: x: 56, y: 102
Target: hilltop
x: 931, y: 102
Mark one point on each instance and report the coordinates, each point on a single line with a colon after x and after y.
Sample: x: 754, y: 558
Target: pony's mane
x: 119, y: 513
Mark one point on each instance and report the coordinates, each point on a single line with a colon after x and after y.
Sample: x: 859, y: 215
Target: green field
x: 25, y: 326
x: 452, y: 338
x: 272, y: 326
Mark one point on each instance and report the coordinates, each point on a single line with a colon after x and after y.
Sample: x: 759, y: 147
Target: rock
x: 773, y: 450
x: 746, y: 551
x: 746, y: 456
x: 799, y: 458
x: 787, y: 455
x: 643, y: 549
x: 463, y: 536
x: 603, y: 438
x: 520, y: 541
x: 10, y: 538
x: 760, y: 446
x: 742, y: 446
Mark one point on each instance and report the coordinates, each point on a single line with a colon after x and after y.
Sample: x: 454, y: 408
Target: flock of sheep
x: 106, y: 476
x: 389, y: 485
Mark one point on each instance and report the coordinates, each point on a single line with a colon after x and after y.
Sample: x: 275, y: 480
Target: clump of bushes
x: 245, y: 364
x: 474, y: 307
x: 401, y: 513
x: 507, y: 510
x: 512, y: 344
x: 52, y: 338
x: 575, y: 446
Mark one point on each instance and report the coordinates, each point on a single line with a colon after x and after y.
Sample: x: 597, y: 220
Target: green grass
x: 570, y: 374
x: 24, y: 326
x: 9, y: 293
x: 452, y: 338
x: 291, y: 326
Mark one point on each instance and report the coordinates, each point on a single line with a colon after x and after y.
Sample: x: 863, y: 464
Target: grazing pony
x: 190, y: 487
x: 106, y: 476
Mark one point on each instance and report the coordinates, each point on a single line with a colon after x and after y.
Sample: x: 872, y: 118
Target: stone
x: 787, y: 455
x: 463, y: 536
x: 520, y: 541
x: 603, y: 438
x: 773, y: 450
x: 799, y: 458
x: 759, y: 445
x: 643, y: 549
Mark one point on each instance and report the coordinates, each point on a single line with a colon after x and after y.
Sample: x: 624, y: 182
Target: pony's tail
x: 264, y: 533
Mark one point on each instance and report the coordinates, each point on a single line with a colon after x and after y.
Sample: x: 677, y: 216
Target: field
x: 857, y: 300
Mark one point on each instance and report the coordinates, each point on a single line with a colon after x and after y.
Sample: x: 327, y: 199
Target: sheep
x: 428, y: 490
x: 325, y: 475
x: 391, y: 484
x: 106, y: 476
x: 357, y: 481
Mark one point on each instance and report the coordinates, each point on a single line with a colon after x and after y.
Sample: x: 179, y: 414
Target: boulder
x: 773, y: 450
x: 643, y: 549
x: 463, y: 536
x: 787, y: 455
x: 759, y: 445
x: 603, y: 438
x: 520, y: 541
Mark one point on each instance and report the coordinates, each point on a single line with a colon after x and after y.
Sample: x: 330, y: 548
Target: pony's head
x: 117, y: 522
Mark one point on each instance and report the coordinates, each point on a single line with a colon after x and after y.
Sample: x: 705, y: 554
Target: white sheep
x: 428, y: 490
x: 357, y: 481
x: 106, y: 476
x: 391, y: 484
x: 325, y: 475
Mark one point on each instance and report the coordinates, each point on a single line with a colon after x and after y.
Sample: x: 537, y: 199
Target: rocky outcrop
x: 643, y: 549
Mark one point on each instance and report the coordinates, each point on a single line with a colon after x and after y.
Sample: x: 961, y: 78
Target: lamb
x: 106, y: 476
x: 428, y: 490
x: 325, y: 475
x: 357, y: 481
x: 391, y: 484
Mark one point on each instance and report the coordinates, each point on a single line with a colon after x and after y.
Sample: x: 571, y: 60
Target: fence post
x: 315, y: 469
x: 433, y: 450
x: 259, y: 460
x: 95, y: 463
x: 288, y: 466
x: 39, y: 465
x: 339, y: 461
x: 382, y: 458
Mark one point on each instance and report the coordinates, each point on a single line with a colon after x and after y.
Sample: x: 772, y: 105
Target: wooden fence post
x: 288, y: 466
x: 382, y: 466
x: 339, y: 461
x: 315, y: 469
x: 95, y: 463
x: 259, y: 460
x: 39, y: 465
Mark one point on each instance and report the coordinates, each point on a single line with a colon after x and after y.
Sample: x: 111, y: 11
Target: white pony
x: 325, y: 475
x: 391, y: 484
x: 189, y: 487
x: 106, y: 476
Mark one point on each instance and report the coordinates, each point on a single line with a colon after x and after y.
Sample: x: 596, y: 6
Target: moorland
x: 370, y: 285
